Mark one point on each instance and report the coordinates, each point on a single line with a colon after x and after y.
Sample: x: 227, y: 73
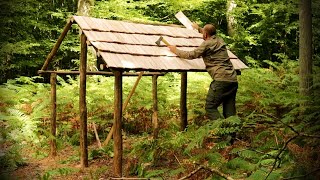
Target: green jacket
x: 215, y: 57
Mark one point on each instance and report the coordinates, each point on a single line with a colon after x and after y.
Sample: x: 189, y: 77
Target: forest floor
x: 65, y: 166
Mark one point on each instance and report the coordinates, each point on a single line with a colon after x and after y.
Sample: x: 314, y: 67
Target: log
x: 183, y: 102
x: 100, y: 73
x: 96, y: 134
x: 132, y: 91
x: 57, y: 45
x: 117, y: 136
x: 125, y: 105
x: 155, y: 106
x: 53, y: 143
x: 82, y: 103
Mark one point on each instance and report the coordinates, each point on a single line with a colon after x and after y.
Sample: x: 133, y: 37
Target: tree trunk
x: 231, y: 4
x: 305, y: 47
x: 84, y: 7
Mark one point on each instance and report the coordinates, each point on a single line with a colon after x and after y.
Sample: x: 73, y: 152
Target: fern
x: 239, y: 163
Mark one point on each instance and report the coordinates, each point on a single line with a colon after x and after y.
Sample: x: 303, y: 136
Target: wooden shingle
x: 129, y: 45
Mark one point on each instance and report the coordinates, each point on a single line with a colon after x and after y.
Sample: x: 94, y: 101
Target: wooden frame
x: 118, y: 103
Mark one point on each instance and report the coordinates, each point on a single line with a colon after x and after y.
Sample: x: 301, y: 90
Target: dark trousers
x: 221, y: 92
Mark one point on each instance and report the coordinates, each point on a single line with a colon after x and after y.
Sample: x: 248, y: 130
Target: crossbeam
x: 101, y: 73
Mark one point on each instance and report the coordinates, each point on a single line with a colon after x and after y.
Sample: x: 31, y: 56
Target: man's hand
x: 173, y: 49
x: 195, y: 26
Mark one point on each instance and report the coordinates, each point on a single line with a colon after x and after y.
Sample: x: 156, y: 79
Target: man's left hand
x: 173, y: 49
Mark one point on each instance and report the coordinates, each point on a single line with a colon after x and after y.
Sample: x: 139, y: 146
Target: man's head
x: 208, y: 31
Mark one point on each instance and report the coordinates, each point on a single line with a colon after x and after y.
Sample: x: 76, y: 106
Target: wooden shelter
x: 124, y: 46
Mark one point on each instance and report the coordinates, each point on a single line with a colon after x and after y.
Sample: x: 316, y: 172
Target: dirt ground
x: 64, y: 166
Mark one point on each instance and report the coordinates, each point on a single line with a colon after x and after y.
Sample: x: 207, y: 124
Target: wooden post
x: 117, y: 136
x: 53, y: 143
x: 82, y: 103
x: 124, y: 105
x: 183, y: 102
x: 155, y: 106
x: 57, y: 45
x: 96, y: 134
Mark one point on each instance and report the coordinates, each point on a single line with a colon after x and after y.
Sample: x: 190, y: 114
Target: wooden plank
x: 57, y: 45
x: 53, y: 143
x: 81, y: 22
x: 159, y: 63
x: 82, y: 103
x: 155, y: 106
x: 117, y: 136
x: 106, y: 25
x: 183, y: 102
x: 132, y: 28
x: 110, y: 59
x: 184, y: 20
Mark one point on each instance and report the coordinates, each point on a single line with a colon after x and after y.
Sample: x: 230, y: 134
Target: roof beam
x: 101, y: 73
x: 57, y: 45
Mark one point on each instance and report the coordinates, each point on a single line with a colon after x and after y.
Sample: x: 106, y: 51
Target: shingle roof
x: 132, y: 46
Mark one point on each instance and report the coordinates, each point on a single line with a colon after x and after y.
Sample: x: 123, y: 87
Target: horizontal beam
x: 101, y: 73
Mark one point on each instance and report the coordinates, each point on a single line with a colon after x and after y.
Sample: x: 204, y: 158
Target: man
x: 224, y: 86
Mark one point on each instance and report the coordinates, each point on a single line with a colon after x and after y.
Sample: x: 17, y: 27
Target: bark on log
x: 96, y: 134
x: 117, y: 136
x: 183, y: 102
x: 155, y: 106
x: 82, y: 103
x: 53, y: 143
x: 101, y: 73
x: 124, y: 106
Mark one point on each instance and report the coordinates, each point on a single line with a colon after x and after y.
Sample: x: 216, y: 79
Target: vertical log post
x: 53, y: 143
x: 117, y: 136
x: 183, y: 102
x: 155, y: 106
x: 82, y: 103
x: 126, y: 102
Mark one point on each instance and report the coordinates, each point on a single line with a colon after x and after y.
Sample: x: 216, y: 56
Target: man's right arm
x: 197, y: 27
x: 192, y: 54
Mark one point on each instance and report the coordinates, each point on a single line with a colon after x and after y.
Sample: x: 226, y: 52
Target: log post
x: 124, y: 106
x: 117, y: 136
x: 82, y: 103
x: 183, y: 102
x: 155, y: 106
x: 53, y: 143
x: 57, y: 45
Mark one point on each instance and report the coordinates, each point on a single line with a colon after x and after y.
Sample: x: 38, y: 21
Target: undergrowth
x: 272, y: 137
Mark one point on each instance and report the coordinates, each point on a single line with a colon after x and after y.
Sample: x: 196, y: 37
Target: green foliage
x: 265, y: 29
x: 30, y: 28
x: 50, y: 174
x: 246, y: 146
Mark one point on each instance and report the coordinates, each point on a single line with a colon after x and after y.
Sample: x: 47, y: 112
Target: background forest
x: 277, y: 137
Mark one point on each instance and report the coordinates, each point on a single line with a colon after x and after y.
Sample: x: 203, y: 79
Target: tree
x: 84, y: 7
x: 305, y: 47
x: 231, y: 4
